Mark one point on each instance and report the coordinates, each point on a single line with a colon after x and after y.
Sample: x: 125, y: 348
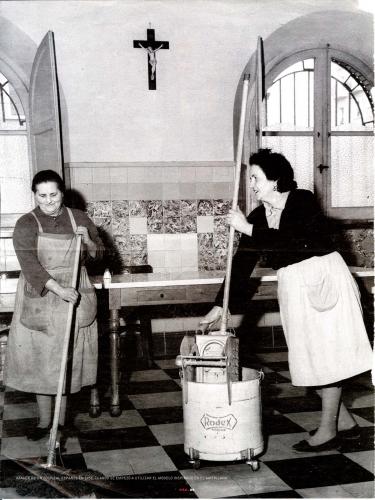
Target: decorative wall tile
x: 155, y: 226
x: 101, y: 208
x: 120, y: 209
x: 220, y: 224
x: 221, y: 241
x: 90, y: 207
x: 205, y: 207
x: 138, y: 242
x: 138, y: 208
x: 188, y: 224
x: 126, y: 258
x: 221, y: 207
x: 155, y: 216
x: 139, y: 258
x: 123, y: 244
x: 120, y: 227
x: 171, y: 208
x: 206, y: 255
x: 188, y: 208
x: 220, y: 259
x: 155, y: 209
x: 103, y: 223
x: 205, y: 240
x: 172, y: 224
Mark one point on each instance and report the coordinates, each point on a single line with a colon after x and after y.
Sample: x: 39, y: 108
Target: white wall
x: 110, y: 114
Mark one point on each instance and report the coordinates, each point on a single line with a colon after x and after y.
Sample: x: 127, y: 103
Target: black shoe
x: 331, y: 444
x: 37, y: 433
x: 352, y: 433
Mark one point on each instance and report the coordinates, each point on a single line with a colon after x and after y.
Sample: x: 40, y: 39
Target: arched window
x: 318, y: 111
x: 15, y: 172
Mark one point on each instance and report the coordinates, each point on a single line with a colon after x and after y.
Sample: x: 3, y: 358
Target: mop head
x: 32, y: 478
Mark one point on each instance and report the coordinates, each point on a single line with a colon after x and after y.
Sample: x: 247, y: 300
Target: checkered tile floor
x: 142, y: 450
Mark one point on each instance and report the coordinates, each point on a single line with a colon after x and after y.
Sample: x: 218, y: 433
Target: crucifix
x: 151, y: 46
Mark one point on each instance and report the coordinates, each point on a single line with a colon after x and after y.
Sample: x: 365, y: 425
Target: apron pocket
x: 34, y: 309
x: 323, y: 296
x: 86, y: 312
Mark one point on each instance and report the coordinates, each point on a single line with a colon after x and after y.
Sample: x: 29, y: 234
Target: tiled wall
x: 184, y: 235
x: 170, y: 217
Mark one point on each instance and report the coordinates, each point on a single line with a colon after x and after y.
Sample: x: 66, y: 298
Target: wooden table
x: 142, y: 290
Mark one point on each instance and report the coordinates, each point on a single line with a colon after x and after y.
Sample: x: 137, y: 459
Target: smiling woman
x: 44, y: 243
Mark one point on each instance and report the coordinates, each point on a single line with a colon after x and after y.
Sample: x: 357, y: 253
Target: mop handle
x: 224, y: 317
x: 53, y: 436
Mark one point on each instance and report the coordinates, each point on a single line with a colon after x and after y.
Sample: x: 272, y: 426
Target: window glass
x: 350, y: 103
x: 15, y: 175
x: 290, y: 100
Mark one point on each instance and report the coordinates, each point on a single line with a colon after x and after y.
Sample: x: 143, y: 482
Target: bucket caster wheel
x: 115, y: 411
x: 254, y: 464
x: 95, y: 411
x: 196, y: 464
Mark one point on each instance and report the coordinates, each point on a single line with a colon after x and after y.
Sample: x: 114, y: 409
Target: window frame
x: 321, y: 132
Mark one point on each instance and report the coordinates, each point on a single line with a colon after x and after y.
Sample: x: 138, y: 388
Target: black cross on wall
x: 151, y: 46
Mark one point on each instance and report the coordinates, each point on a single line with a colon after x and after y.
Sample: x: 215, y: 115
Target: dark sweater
x: 25, y: 241
x: 303, y: 233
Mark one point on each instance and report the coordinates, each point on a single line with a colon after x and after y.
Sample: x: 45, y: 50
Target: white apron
x: 38, y: 325
x: 321, y: 316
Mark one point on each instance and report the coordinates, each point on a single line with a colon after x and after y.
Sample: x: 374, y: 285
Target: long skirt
x: 322, y: 319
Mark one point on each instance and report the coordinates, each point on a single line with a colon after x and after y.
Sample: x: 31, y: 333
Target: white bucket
x: 215, y: 430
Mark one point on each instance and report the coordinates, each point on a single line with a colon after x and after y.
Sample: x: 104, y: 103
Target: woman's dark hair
x: 47, y: 176
x: 276, y: 168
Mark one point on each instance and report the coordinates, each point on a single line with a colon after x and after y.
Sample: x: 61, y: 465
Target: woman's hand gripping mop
x: 222, y: 414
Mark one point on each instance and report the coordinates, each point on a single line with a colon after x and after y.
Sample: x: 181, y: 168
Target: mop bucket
x: 215, y: 430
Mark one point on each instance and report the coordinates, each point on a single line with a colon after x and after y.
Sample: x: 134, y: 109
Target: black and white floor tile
x: 141, y: 452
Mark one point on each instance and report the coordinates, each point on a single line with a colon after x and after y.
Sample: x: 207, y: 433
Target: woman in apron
x: 319, y: 300
x: 44, y: 241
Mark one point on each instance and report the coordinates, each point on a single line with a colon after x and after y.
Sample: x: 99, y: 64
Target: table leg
x: 146, y: 337
x: 114, y: 326
x: 95, y: 410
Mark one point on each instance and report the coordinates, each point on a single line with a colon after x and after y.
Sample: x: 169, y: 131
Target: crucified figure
x: 151, y: 58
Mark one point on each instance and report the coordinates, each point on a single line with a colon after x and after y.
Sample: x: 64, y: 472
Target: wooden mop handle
x: 245, y: 89
x: 60, y: 386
